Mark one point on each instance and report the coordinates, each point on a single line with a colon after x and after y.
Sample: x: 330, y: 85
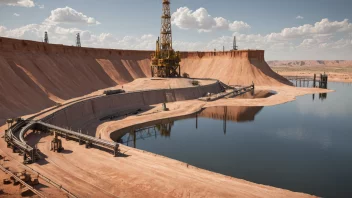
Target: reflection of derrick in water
x: 237, y: 114
x: 255, y: 94
x: 163, y: 130
x: 322, y: 96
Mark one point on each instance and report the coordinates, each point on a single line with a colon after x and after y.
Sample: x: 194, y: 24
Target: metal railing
x: 17, y: 143
x: 22, y: 182
x: 80, y: 137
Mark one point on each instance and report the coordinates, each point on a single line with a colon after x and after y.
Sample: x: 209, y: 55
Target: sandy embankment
x: 37, y: 75
x: 153, y: 172
x: 143, y: 174
x: 182, y: 108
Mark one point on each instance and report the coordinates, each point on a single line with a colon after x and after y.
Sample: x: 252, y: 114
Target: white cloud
x: 15, y: 14
x: 322, y: 27
x: 221, y: 23
x: 322, y: 40
x: 40, y: 6
x: 188, y: 46
x: 67, y: 36
x: 21, y: 3
x: 299, y: 17
x: 202, y: 21
x: 69, y: 15
x: 238, y: 26
x: 65, y: 31
x: 2, y: 30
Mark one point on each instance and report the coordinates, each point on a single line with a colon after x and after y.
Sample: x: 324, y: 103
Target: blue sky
x: 300, y: 29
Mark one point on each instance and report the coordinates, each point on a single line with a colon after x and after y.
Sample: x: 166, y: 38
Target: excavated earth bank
x: 36, y: 76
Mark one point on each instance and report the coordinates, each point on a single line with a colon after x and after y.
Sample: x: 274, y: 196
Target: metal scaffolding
x: 78, y: 40
x: 46, y: 37
x: 165, y: 61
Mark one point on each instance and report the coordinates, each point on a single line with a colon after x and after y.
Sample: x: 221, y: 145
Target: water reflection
x: 322, y: 96
x: 163, y: 129
x: 303, y: 146
x: 256, y: 94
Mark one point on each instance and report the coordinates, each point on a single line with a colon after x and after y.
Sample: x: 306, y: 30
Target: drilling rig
x: 165, y: 61
x: 235, y: 47
x: 78, y: 40
x: 46, y: 37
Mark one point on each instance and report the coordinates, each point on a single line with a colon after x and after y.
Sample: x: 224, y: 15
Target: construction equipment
x: 165, y: 61
x: 115, y: 91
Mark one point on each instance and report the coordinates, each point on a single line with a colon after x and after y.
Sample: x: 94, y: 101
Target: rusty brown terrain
x: 37, y: 76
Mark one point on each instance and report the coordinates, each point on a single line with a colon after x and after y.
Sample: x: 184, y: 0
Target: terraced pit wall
x: 35, y: 76
x: 78, y: 114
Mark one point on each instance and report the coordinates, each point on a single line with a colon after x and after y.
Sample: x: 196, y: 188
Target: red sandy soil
x: 235, y: 68
x: 8, y: 190
x: 142, y: 174
x: 13, y: 162
x: 35, y: 76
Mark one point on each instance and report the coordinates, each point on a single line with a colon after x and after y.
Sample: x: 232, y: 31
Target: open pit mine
x: 63, y: 108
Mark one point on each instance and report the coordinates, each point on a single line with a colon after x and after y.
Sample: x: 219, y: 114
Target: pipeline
x: 21, y: 181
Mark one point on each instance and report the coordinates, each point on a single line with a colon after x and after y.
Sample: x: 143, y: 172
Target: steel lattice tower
x: 78, y: 40
x: 235, y: 47
x: 165, y: 32
x: 165, y: 61
x: 46, y: 37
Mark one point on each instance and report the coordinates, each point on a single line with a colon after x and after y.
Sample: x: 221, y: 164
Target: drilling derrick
x: 165, y: 61
x: 235, y: 47
x: 46, y: 37
x: 78, y: 40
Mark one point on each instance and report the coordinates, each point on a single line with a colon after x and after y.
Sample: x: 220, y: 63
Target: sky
x: 285, y: 29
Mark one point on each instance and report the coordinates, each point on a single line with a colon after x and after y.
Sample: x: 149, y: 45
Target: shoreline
x: 179, y: 108
x: 105, y: 130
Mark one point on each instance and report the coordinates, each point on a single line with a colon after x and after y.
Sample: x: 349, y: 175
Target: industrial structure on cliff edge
x: 46, y: 37
x: 165, y: 61
x: 78, y: 40
x: 235, y: 47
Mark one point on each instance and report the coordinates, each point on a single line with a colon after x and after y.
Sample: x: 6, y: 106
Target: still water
x: 304, y: 146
